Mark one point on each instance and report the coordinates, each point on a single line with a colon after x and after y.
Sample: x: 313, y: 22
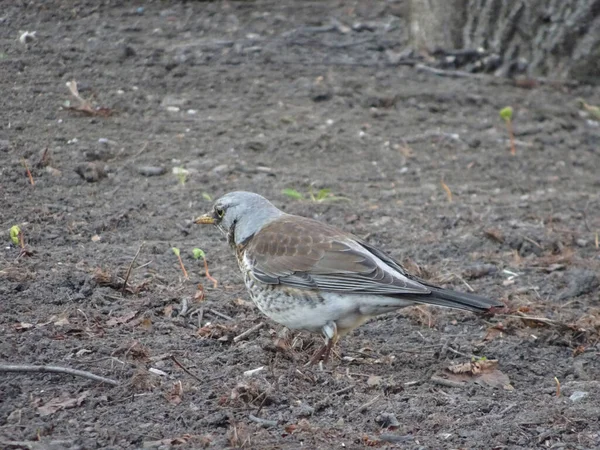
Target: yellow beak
x: 206, y: 219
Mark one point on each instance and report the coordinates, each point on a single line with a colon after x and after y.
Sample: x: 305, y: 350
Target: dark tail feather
x: 455, y: 299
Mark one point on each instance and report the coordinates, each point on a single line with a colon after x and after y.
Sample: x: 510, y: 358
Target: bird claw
x: 331, y: 337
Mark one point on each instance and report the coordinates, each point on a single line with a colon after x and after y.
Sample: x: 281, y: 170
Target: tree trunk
x: 555, y: 38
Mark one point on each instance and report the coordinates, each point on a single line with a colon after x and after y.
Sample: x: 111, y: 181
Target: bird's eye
x: 220, y: 212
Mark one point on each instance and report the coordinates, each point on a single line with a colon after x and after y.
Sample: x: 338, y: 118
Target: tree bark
x: 555, y: 38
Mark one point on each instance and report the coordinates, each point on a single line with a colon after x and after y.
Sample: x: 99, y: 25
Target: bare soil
x: 267, y: 96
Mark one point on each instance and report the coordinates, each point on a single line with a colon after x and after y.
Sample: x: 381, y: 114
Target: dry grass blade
x: 56, y: 369
x: 447, y: 190
x: 24, y: 162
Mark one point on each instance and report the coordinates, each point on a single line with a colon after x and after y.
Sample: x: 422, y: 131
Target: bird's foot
x: 331, y: 337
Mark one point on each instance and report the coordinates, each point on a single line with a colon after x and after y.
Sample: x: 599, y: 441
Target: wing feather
x: 301, y: 252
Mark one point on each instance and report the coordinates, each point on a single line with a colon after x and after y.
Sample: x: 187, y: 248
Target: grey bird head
x: 240, y: 215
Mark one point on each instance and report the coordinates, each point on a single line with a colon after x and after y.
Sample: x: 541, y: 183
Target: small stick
x: 200, y: 317
x: 130, y: 267
x: 459, y: 353
x: 185, y: 369
x: 366, y: 405
x: 24, y: 162
x: 248, y: 332
x: 447, y: 383
x: 184, y: 307
x: 209, y: 276
x: 219, y: 314
x: 265, y: 423
x: 557, y: 387
x: 55, y: 369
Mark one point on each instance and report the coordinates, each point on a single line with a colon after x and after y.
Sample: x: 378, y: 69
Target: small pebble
x: 581, y: 242
x: 151, y: 171
x: 90, y: 172
x: 27, y: 37
x: 578, y: 395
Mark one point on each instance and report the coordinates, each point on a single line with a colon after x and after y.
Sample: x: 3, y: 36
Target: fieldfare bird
x: 307, y: 275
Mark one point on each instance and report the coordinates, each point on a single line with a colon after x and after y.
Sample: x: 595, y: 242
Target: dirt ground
x: 267, y: 96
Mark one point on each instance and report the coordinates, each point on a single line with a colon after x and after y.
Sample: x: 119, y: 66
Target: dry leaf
x: 22, y: 326
x: 121, y: 319
x: 494, y: 234
x: 483, y: 372
x: 168, y: 442
x: 199, y: 295
x: 146, y: 323
x: 374, y: 380
x: 493, y: 332
x: 62, y: 322
x: 176, y: 394
x: 243, y: 303
x: 168, y: 310
x: 60, y: 403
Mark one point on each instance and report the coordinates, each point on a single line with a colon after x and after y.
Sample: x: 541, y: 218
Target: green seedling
x: 177, y: 253
x: 15, y: 234
x: 206, y: 196
x: 593, y: 110
x: 293, y: 193
x: 321, y: 196
x: 506, y: 115
x: 198, y: 253
x: 181, y: 173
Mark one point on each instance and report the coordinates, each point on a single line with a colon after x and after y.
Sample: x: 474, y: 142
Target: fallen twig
x: 56, y: 369
x: 366, y: 405
x: 130, y: 267
x: 185, y: 369
x: 448, y: 383
x: 451, y: 73
x: 248, y: 332
x: 265, y: 423
x: 219, y: 314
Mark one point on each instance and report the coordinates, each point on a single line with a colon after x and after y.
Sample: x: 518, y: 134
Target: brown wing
x: 301, y: 252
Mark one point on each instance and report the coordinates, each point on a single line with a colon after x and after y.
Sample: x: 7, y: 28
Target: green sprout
x: 177, y: 253
x: 206, y: 196
x: 15, y: 231
x: 506, y: 114
x: 593, y: 110
x: 321, y: 196
x: 293, y: 193
x: 181, y: 173
x: 198, y: 253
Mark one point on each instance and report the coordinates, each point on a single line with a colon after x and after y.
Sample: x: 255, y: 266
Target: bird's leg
x: 331, y: 337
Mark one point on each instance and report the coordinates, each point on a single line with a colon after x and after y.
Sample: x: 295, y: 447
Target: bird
x: 307, y: 275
